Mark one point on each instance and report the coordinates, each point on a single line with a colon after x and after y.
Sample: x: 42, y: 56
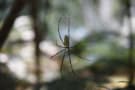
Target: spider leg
x: 82, y: 58
x: 70, y: 62
x: 59, y: 45
x: 62, y: 62
x: 69, y: 28
x: 57, y: 53
x: 59, y: 30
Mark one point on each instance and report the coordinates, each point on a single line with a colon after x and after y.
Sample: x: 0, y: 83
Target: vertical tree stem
x: 34, y: 14
x: 131, y: 45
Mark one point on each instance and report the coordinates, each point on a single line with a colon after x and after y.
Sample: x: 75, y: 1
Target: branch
x: 9, y: 21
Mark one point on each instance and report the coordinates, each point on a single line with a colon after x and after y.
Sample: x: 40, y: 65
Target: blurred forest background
x: 101, y: 31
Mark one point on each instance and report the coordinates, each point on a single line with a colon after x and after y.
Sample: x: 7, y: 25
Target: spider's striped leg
x: 62, y: 62
x: 59, y: 30
x: 69, y: 28
x: 57, y: 53
x: 70, y: 61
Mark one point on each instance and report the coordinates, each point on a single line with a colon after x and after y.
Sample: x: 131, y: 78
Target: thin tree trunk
x: 131, y: 45
x: 34, y: 14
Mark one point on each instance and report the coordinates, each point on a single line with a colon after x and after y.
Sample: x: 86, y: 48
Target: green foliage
x: 80, y: 47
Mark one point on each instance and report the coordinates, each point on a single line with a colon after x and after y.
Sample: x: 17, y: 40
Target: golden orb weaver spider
x: 66, y: 45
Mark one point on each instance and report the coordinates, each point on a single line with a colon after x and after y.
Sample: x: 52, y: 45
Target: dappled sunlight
x: 23, y: 25
x: 117, y: 81
x: 3, y: 58
x: 48, y: 48
x: 50, y: 69
x: 18, y: 67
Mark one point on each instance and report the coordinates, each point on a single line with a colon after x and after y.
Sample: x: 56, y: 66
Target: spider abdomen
x: 66, y: 41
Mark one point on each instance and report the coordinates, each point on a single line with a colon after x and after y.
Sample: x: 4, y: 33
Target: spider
x: 66, y: 48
